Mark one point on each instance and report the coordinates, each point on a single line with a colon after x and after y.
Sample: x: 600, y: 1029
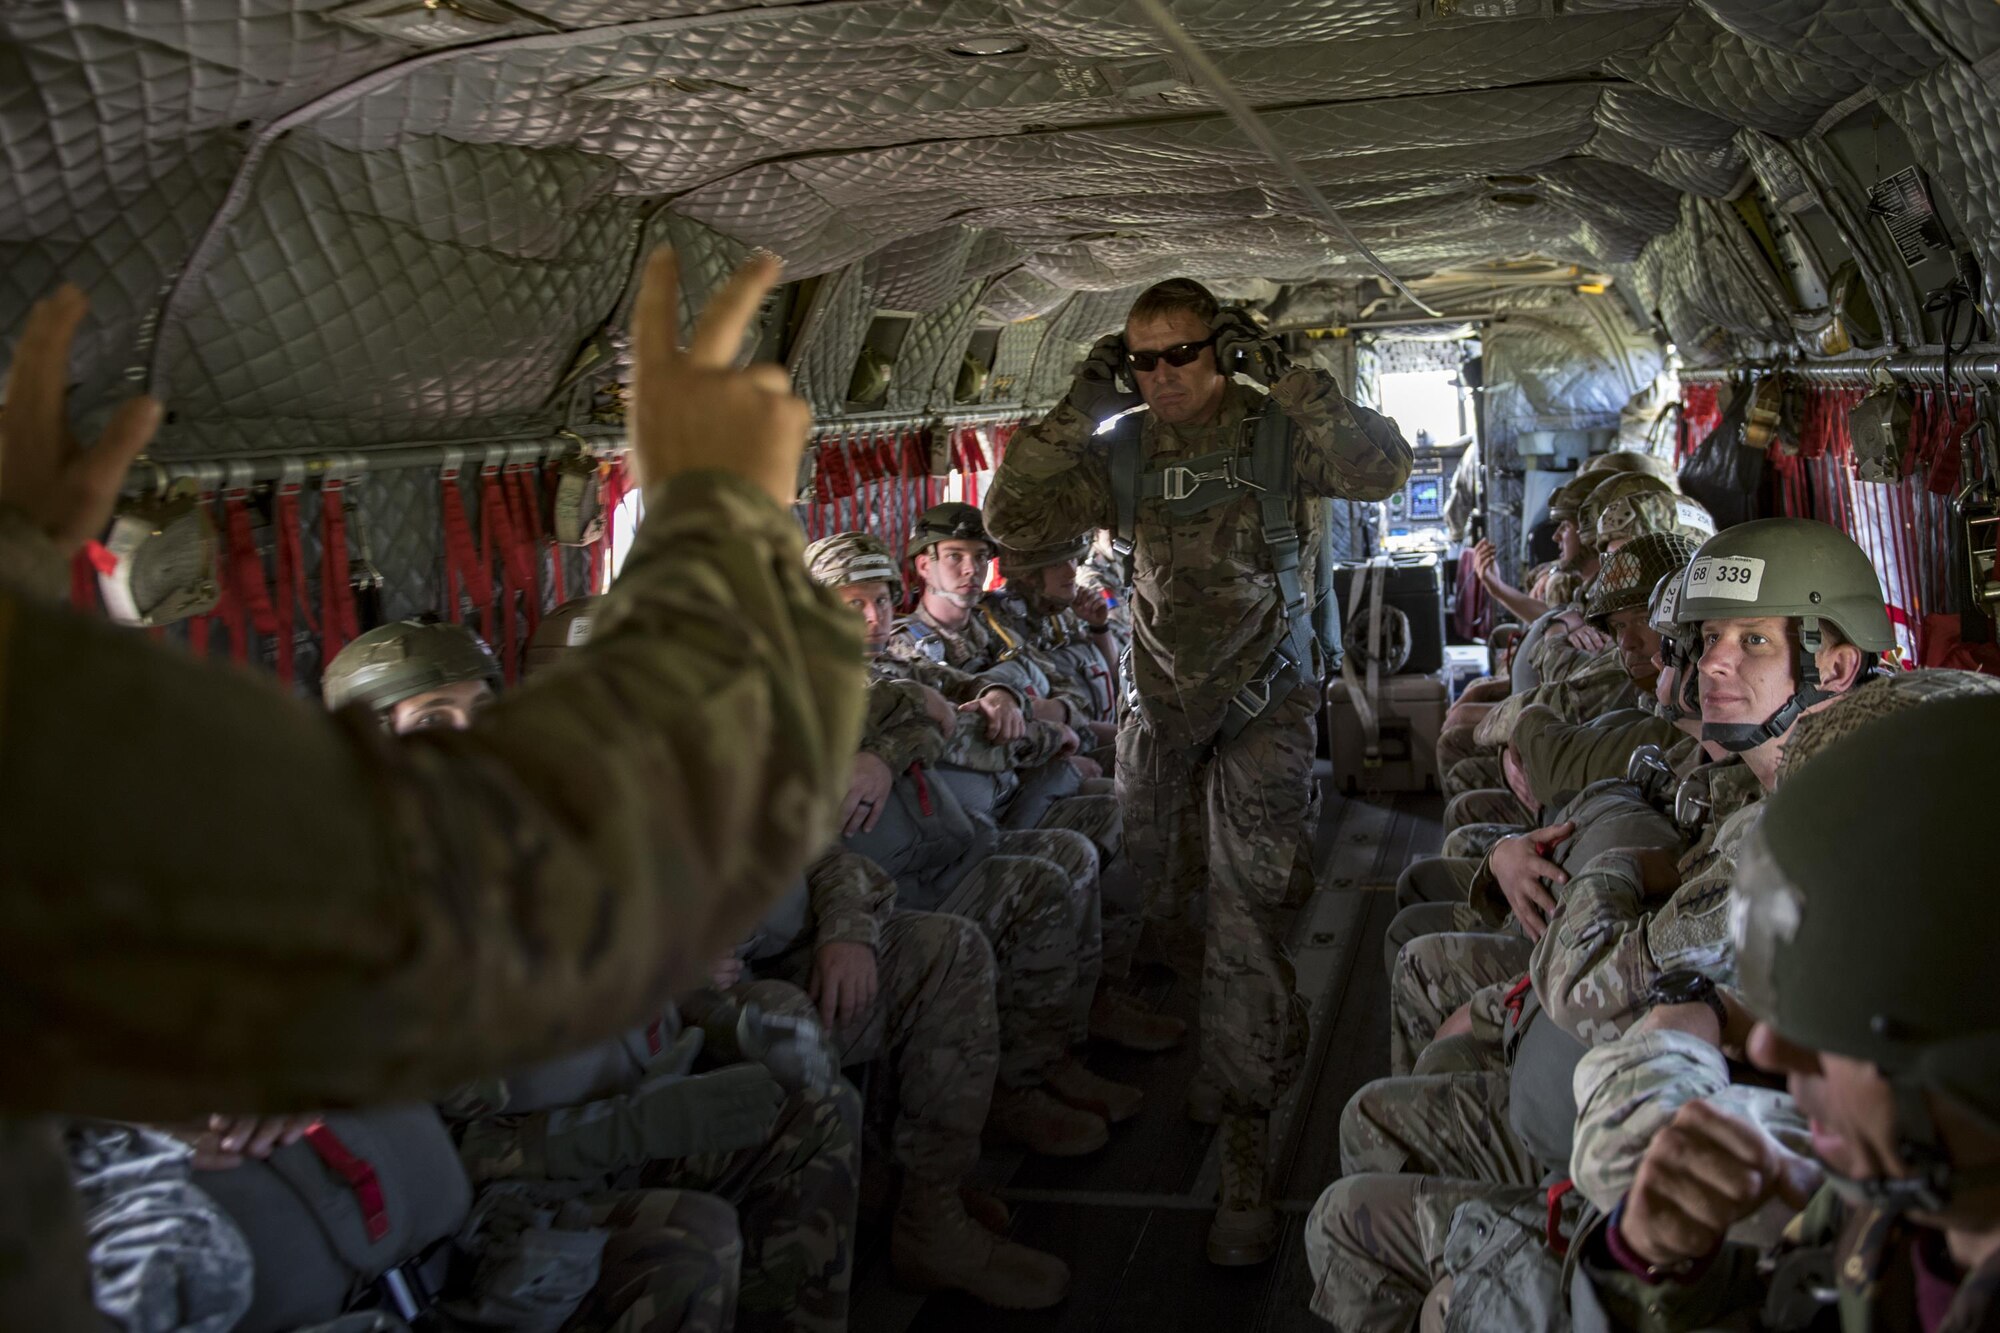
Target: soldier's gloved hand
x: 667, y: 1116
x: 1237, y: 335
x: 1095, y: 392
x: 792, y: 1048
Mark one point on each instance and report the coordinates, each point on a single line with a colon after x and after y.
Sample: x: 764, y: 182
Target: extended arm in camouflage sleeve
x: 1562, y: 756
x: 1628, y: 1090
x: 1053, y: 483
x: 898, y: 729
x: 851, y: 898
x: 218, y: 896
x: 1343, y: 450
x: 1596, y: 965
x: 960, y: 687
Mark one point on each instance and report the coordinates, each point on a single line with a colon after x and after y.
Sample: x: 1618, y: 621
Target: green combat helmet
x: 1629, y: 461
x: 1567, y: 499
x: 1677, y: 642
x: 847, y: 558
x: 1798, y: 568
x: 1633, y: 572
x: 1624, y: 516
x: 1028, y: 559
x: 400, y: 661
x: 1831, y: 964
x: 1618, y: 490
x: 565, y: 628
x: 954, y: 521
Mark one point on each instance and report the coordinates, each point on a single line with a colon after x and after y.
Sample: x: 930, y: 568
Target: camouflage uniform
x: 1064, y: 649
x: 934, y: 1016
x: 1226, y: 817
x: 981, y: 647
x: 673, y: 1261
x: 455, y: 903
x: 794, y: 1194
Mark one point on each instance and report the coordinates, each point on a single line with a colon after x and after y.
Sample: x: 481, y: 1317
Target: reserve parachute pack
x: 1223, y: 477
x: 163, y: 550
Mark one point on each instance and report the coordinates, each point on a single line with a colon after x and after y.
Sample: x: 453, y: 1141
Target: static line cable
x: 1260, y: 135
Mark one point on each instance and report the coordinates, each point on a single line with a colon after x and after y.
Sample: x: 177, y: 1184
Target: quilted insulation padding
x: 315, y: 238
x: 1014, y: 361
x: 1087, y: 317
x: 926, y: 375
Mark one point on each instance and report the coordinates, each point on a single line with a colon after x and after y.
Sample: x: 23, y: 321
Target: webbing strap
x: 525, y: 512
x: 359, y: 1173
x: 288, y: 584
x: 617, y: 481
x: 247, y: 585
x: 496, y: 542
x: 1271, y: 463
x: 339, y: 624
x: 82, y: 581
x: 463, y: 579
x: 1126, y: 464
x: 557, y: 594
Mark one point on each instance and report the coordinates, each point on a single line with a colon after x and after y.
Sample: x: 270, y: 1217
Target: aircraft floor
x: 1132, y: 1221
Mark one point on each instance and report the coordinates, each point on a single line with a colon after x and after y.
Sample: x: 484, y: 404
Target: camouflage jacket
x: 899, y: 731
x: 1862, y: 1262
x: 960, y: 687
x: 1206, y: 612
x: 983, y: 647
x: 333, y: 916
x: 1066, y: 651
x: 1597, y: 685
x: 843, y: 898
x: 1561, y: 757
x: 1608, y: 944
x: 1628, y: 1090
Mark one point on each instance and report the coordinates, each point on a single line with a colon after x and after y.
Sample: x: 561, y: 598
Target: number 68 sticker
x: 1733, y: 578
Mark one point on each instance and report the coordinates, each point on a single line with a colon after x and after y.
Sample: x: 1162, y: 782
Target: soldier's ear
x: 1839, y: 667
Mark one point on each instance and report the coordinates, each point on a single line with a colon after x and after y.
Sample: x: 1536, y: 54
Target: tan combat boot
x: 1245, y: 1230
x: 1204, y: 1098
x: 1124, y: 1021
x: 1035, y: 1119
x: 1076, y: 1085
x: 936, y: 1246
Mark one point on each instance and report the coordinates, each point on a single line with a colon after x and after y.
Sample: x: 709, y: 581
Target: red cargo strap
x: 1518, y: 997
x: 557, y: 591
x: 359, y: 1173
x: 497, y: 541
x: 525, y: 511
x: 923, y: 789
x: 465, y: 579
x: 338, y: 623
x: 248, y: 590
x: 655, y: 1041
x: 84, y: 567
x: 288, y: 583
x: 1557, y: 1241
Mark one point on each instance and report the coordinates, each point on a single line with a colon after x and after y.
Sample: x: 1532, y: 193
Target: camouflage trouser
x: 1435, y: 1125
x: 1235, y: 823
x: 795, y: 1197
x: 1436, y: 973
x: 1455, y: 743
x: 1481, y: 769
x: 935, y: 1020
x: 1036, y: 901
x: 1491, y: 804
x: 1096, y: 815
x: 671, y: 1264
x: 1476, y: 840
x: 1376, y: 1244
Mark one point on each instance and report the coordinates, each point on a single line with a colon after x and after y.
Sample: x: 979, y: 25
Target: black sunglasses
x: 1180, y: 354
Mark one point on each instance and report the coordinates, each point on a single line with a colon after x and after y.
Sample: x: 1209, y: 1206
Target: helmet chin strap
x: 1740, y: 737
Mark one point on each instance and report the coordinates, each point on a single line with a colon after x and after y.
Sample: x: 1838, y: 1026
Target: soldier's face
x: 955, y: 569
x: 1851, y: 1107
x: 1638, y: 645
x: 1058, y: 582
x: 1570, y: 541
x: 451, y: 708
x: 1746, y: 669
x: 1177, y: 394
x: 871, y: 601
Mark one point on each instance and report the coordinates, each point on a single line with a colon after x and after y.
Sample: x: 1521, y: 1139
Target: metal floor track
x: 1132, y: 1221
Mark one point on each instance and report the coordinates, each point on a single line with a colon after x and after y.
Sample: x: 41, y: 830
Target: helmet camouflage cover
x: 1624, y: 517
x: 399, y: 661
x: 1863, y: 902
x: 848, y: 558
x: 1629, y: 461
x: 1027, y: 559
x: 1632, y: 573
x: 952, y: 521
x: 1620, y: 488
x: 1567, y: 498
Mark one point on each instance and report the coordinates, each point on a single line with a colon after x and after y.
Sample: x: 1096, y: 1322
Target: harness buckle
x: 1178, y: 481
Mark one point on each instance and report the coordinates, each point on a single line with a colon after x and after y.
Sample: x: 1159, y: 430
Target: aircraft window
x: 876, y: 366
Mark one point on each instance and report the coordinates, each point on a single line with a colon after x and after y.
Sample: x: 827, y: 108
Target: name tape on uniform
x: 1733, y: 578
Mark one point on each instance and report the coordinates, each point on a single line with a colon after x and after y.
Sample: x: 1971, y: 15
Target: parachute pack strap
x: 496, y: 543
x: 288, y: 583
x: 1361, y: 694
x: 339, y: 624
x: 462, y: 577
x: 1271, y: 464
x: 1125, y: 480
x: 359, y: 1173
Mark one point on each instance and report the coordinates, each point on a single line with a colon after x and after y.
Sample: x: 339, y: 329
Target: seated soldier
x: 417, y: 675
x: 1038, y: 606
x: 1799, y: 634
x: 1865, y: 1014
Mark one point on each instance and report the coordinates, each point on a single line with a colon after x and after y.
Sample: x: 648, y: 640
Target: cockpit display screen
x: 1426, y: 498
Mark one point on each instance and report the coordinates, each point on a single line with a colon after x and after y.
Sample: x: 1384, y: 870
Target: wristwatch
x: 1684, y: 985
